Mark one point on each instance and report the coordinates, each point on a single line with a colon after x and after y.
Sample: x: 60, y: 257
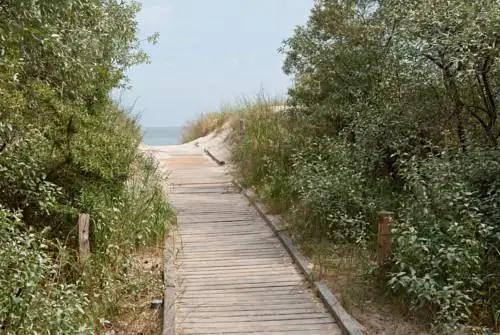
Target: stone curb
x: 346, y: 322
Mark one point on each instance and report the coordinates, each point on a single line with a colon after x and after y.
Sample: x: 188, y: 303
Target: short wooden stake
x: 242, y: 126
x: 83, y: 237
x: 384, y: 238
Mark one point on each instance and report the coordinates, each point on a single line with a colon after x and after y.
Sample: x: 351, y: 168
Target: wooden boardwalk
x: 234, y: 276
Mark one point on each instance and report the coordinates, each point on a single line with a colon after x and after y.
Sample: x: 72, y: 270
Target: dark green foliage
x: 394, y: 107
x: 65, y: 148
x: 33, y: 296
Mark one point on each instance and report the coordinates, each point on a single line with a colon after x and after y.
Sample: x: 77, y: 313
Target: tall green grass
x: 123, y: 223
x: 262, y: 151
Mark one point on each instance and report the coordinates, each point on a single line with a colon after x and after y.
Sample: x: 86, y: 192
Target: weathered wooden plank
x: 243, y: 251
x: 275, y: 256
x: 193, y: 239
x: 247, y: 229
x: 239, y: 245
x: 218, y: 232
x: 186, y: 264
x: 221, y: 236
x: 233, y: 268
x: 288, y: 332
x: 216, y: 217
x: 237, y: 300
x: 304, y: 309
x: 240, y: 242
x: 83, y: 237
x: 213, y: 277
x: 251, y: 307
x: 207, y: 220
x: 215, y: 319
x: 215, y: 288
x: 261, y: 327
x: 248, y: 253
x: 234, y: 275
x: 257, y: 252
x: 221, y: 227
x: 188, y: 221
x: 189, y: 210
x: 222, y: 284
x: 169, y: 306
x: 283, y: 293
x: 237, y: 278
x: 226, y: 251
x: 193, y: 199
x: 263, y: 292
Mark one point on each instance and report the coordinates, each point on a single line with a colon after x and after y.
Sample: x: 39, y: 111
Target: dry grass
x: 205, y: 124
x: 350, y: 273
x: 135, y: 315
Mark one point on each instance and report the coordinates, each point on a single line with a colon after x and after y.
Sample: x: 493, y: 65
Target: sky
x: 210, y: 52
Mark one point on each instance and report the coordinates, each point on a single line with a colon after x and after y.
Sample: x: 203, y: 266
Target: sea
x: 161, y: 135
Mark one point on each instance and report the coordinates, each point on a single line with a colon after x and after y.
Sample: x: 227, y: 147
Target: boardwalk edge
x: 169, y: 278
x: 347, y: 323
x: 215, y: 159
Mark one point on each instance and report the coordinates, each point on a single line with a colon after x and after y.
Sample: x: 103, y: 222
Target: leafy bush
x: 334, y: 200
x: 34, y: 298
x: 395, y: 90
x: 65, y: 149
x: 392, y: 108
x: 440, y: 239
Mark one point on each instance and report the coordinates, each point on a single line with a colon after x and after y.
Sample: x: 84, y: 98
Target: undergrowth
x: 65, y: 149
x: 392, y: 108
x: 329, y: 195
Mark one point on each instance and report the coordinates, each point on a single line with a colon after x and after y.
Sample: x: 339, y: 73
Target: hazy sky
x: 210, y: 52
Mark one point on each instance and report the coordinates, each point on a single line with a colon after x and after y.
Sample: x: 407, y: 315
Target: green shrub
x: 395, y: 88
x: 446, y: 205
x: 34, y: 297
x: 440, y: 239
x: 334, y: 197
x: 133, y: 216
x: 65, y: 149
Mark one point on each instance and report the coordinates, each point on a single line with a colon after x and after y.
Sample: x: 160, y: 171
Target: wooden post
x: 242, y: 126
x: 83, y: 237
x: 384, y: 238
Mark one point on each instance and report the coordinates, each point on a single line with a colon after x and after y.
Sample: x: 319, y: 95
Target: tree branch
x: 489, y: 94
x: 477, y: 107
x: 486, y: 127
x: 434, y: 60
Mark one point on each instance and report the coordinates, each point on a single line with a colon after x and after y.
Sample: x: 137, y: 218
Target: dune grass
x: 229, y: 114
x: 204, y: 124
